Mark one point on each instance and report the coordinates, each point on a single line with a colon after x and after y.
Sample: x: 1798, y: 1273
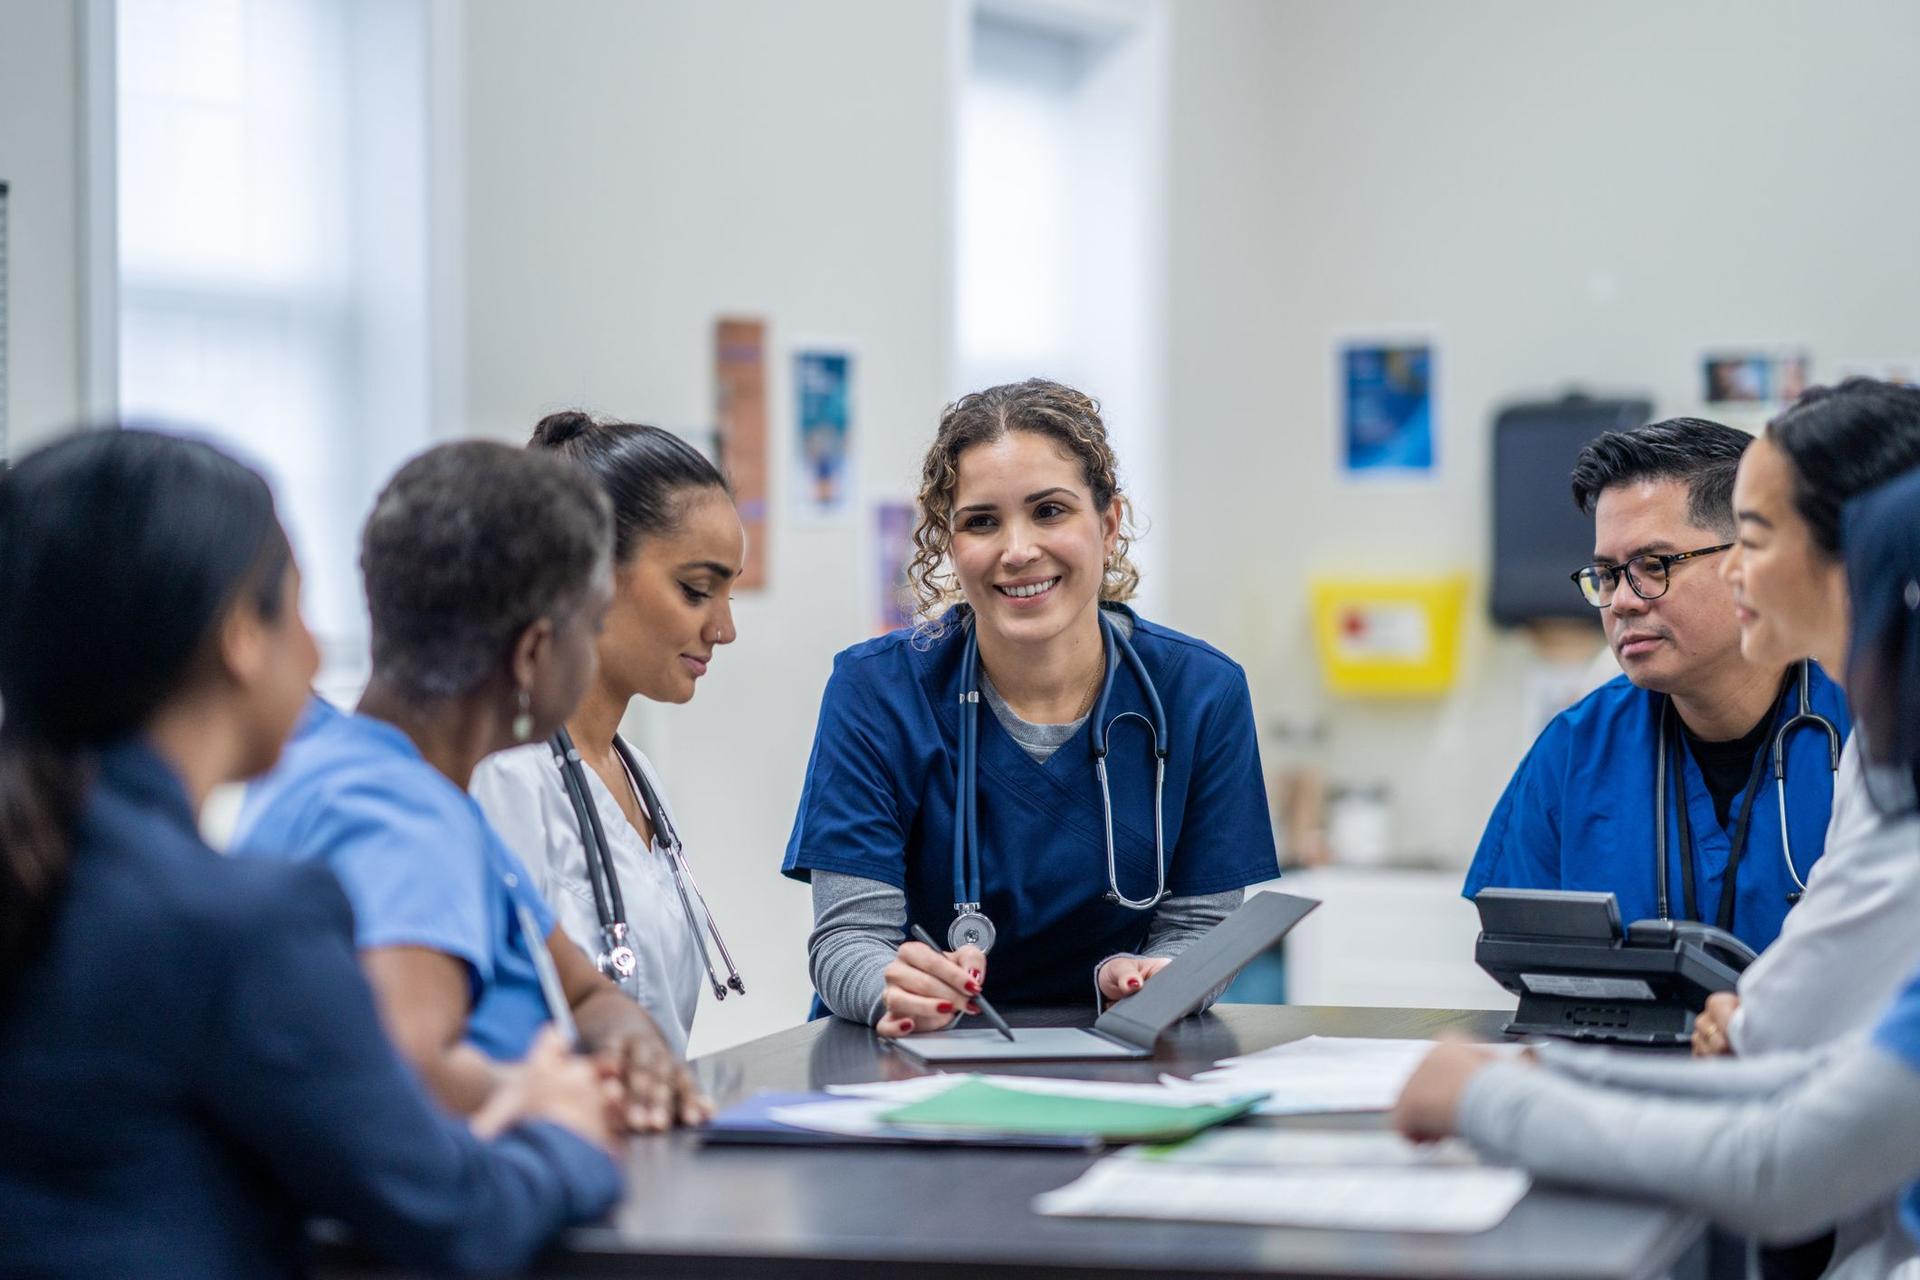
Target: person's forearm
x: 605, y: 1016
x: 1178, y: 923
x: 1780, y: 1168
x: 459, y: 1076
x: 1679, y: 1076
x: 857, y: 927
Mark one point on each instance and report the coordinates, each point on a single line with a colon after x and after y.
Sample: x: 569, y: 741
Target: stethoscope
x: 616, y: 958
x: 970, y: 924
x: 1804, y: 717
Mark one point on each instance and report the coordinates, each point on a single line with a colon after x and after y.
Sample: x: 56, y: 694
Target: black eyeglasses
x: 1648, y: 575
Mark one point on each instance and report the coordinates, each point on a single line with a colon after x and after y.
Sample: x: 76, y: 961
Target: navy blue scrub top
x: 879, y: 803
x: 1578, y: 813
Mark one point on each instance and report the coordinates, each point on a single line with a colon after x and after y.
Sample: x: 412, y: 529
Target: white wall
x: 1563, y: 192
x: 40, y: 160
x: 637, y: 169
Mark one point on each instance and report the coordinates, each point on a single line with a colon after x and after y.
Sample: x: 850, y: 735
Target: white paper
x: 1323, y: 1074
x: 855, y: 1117
x: 1029, y: 1044
x: 1454, y: 1200
x: 1259, y: 1147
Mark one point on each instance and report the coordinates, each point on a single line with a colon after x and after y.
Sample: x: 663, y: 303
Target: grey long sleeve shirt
x: 1777, y: 1147
x: 858, y: 924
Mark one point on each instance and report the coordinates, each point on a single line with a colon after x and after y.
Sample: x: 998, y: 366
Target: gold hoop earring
x: 523, y: 722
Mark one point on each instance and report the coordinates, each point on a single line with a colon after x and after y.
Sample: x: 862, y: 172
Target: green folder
x: 989, y: 1108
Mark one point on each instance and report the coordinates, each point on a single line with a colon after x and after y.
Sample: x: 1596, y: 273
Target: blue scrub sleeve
x: 1899, y: 1029
x: 414, y: 869
x: 1520, y: 848
x: 855, y: 811
x: 1226, y: 837
x: 300, y: 1075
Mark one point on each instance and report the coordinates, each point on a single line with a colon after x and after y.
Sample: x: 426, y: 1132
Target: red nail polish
x: 943, y: 1007
x: 973, y: 1008
x: 1133, y: 982
x: 906, y: 1026
x: 973, y: 988
x: 974, y: 974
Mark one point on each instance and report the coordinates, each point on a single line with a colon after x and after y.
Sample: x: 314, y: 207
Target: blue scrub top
x: 1899, y: 1034
x: 418, y: 861
x: 1578, y: 813
x: 879, y: 803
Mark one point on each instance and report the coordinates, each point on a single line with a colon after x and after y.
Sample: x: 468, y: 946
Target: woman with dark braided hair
x: 192, y: 1059
x: 1023, y: 575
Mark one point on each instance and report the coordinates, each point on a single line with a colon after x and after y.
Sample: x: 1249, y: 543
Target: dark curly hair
x: 467, y: 545
x: 1067, y: 417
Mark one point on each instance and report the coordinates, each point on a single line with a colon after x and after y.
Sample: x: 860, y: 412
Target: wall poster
x: 823, y: 432
x: 740, y: 425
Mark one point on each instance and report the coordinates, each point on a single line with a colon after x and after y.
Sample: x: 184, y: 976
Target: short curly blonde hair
x: 1067, y: 417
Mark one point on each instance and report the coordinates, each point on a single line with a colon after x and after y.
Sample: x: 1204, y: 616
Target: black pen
x: 986, y: 1010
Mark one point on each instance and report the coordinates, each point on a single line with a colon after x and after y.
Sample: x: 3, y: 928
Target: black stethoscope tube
x: 1668, y: 759
x: 607, y: 902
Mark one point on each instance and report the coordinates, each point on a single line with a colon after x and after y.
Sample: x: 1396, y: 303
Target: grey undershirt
x: 858, y: 925
x: 1779, y: 1146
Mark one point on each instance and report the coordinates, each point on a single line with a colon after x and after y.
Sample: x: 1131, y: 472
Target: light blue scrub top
x: 418, y: 861
x: 879, y: 803
x: 1899, y: 1034
x: 1578, y: 813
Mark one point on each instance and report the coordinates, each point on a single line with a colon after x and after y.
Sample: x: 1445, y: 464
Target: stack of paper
x: 949, y: 1108
x: 1260, y: 1147
x: 1321, y: 1074
x: 1379, y: 1198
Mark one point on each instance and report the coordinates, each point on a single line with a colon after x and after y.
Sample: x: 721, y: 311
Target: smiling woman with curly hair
x: 1022, y: 575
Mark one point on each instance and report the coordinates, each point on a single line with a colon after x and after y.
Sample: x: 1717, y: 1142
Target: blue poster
x: 1387, y: 409
x: 823, y: 383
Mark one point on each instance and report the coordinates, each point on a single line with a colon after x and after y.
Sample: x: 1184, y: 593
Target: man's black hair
x: 1703, y: 454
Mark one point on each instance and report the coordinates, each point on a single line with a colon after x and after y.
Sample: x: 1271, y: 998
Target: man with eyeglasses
x: 1581, y: 811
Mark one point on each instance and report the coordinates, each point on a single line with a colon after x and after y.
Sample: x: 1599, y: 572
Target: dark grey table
x: 922, y: 1214
x: 957, y: 1214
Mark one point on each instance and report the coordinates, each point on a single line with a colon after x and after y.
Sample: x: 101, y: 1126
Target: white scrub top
x: 523, y: 796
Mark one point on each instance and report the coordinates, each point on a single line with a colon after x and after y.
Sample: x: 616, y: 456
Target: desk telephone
x: 1580, y: 975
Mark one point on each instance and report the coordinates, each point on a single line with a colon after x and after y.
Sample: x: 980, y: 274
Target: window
x: 1061, y: 247
x: 272, y: 263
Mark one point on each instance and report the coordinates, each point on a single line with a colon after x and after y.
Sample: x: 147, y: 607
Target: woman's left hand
x: 1429, y: 1105
x: 1123, y: 976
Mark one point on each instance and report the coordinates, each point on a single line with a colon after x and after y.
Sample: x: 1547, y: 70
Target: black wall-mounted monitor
x: 1539, y: 536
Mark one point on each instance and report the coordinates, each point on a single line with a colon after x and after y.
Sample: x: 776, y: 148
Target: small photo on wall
x: 1386, y: 408
x: 1754, y: 377
x: 893, y: 550
x: 823, y: 422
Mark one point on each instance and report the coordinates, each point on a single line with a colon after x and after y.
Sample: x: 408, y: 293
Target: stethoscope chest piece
x: 970, y: 929
x: 617, y: 959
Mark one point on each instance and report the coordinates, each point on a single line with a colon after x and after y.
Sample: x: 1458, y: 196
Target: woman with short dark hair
x: 487, y: 575
x: 193, y: 1062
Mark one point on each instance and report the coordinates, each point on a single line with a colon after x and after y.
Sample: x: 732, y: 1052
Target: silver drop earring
x: 523, y: 723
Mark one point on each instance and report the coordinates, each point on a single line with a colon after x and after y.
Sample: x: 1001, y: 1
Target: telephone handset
x: 1716, y: 942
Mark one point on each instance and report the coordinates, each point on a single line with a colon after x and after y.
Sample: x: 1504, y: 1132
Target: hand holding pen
x: 928, y: 989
